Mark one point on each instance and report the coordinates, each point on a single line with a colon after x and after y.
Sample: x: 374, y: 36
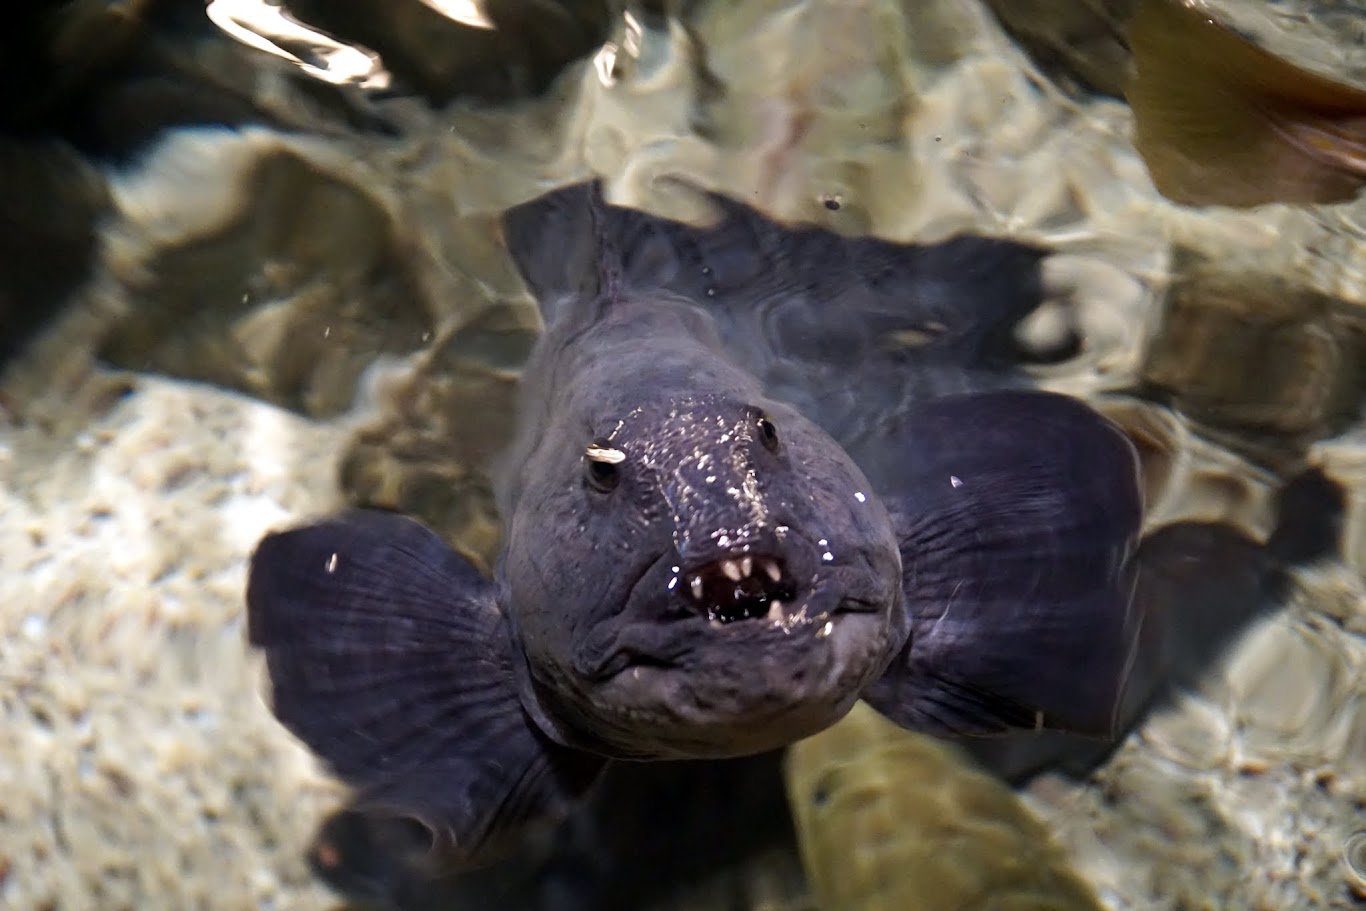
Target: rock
x: 1257, y: 353
x: 1078, y: 41
x: 260, y: 263
x: 51, y: 201
x: 890, y: 819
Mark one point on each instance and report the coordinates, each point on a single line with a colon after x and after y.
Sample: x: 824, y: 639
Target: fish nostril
x: 740, y: 588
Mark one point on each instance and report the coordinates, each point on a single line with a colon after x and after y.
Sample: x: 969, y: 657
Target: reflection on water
x: 237, y: 289
x: 270, y: 28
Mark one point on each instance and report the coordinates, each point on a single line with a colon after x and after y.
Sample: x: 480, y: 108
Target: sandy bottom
x: 141, y: 767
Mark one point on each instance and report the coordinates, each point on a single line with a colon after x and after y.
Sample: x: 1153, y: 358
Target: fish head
x: 701, y: 575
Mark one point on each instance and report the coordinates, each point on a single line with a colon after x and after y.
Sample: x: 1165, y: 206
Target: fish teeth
x: 772, y: 570
x: 732, y: 570
x: 696, y: 586
x: 746, y: 566
x: 775, y: 611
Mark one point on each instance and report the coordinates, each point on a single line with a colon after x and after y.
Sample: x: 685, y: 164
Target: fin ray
x: 389, y: 658
x: 1018, y: 513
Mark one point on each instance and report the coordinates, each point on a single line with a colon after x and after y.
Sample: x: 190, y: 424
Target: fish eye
x: 768, y: 433
x: 602, y: 466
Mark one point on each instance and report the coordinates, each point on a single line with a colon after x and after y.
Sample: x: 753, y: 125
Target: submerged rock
x: 1080, y: 41
x: 1224, y: 113
x: 51, y: 201
x: 890, y: 819
x: 1257, y: 354
x: 259, y: 263
x: 441, y: 423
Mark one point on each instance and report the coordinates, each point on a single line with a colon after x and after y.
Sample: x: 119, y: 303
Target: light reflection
x: 466, y: 12
x: 605, y: 60
x: 268, y: 27
x: 631, y: 42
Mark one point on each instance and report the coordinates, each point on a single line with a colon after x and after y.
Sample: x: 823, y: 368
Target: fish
x: 1221, y: 121
x: 702, y: 558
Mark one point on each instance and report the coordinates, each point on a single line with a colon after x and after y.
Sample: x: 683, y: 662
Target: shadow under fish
x: 705, y: 557
x: 646, y: 836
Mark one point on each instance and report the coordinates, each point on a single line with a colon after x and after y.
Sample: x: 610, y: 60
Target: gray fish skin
x: 695, y: 567
x: 1016, y: 511
x: 621, y: 657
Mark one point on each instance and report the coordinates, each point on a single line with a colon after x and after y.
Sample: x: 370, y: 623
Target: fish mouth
x: 741, y: 586
x: 748, y: 586
x: 751, y: 664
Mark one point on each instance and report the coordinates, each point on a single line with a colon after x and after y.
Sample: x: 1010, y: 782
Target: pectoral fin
x: 1017, y: 514
x: 389, y: 658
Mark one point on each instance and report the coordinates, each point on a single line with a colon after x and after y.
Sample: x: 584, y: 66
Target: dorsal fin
x: 572, y: 242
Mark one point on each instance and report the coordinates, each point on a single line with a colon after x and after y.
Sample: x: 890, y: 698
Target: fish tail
x: 553, y: 243
x: 573, y: 243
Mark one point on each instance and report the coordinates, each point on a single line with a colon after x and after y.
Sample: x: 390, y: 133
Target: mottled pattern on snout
x: 709, y: 464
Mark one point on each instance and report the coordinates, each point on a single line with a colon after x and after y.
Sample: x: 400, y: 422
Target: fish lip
x: 812, y: 605
x: 838, y: 594
x: 809, y: 579
x: 672, y: 685
x: 745, y: 687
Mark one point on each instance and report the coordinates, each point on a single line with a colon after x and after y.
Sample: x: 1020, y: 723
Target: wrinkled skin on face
x: 694, y: 575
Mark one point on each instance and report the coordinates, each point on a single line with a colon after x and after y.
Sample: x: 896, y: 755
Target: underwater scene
x: 683, y: 455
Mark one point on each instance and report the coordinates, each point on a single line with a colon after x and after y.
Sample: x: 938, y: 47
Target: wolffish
x: 704, y: 557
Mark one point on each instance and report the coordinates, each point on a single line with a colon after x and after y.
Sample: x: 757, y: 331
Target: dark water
x: 241, y: 288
